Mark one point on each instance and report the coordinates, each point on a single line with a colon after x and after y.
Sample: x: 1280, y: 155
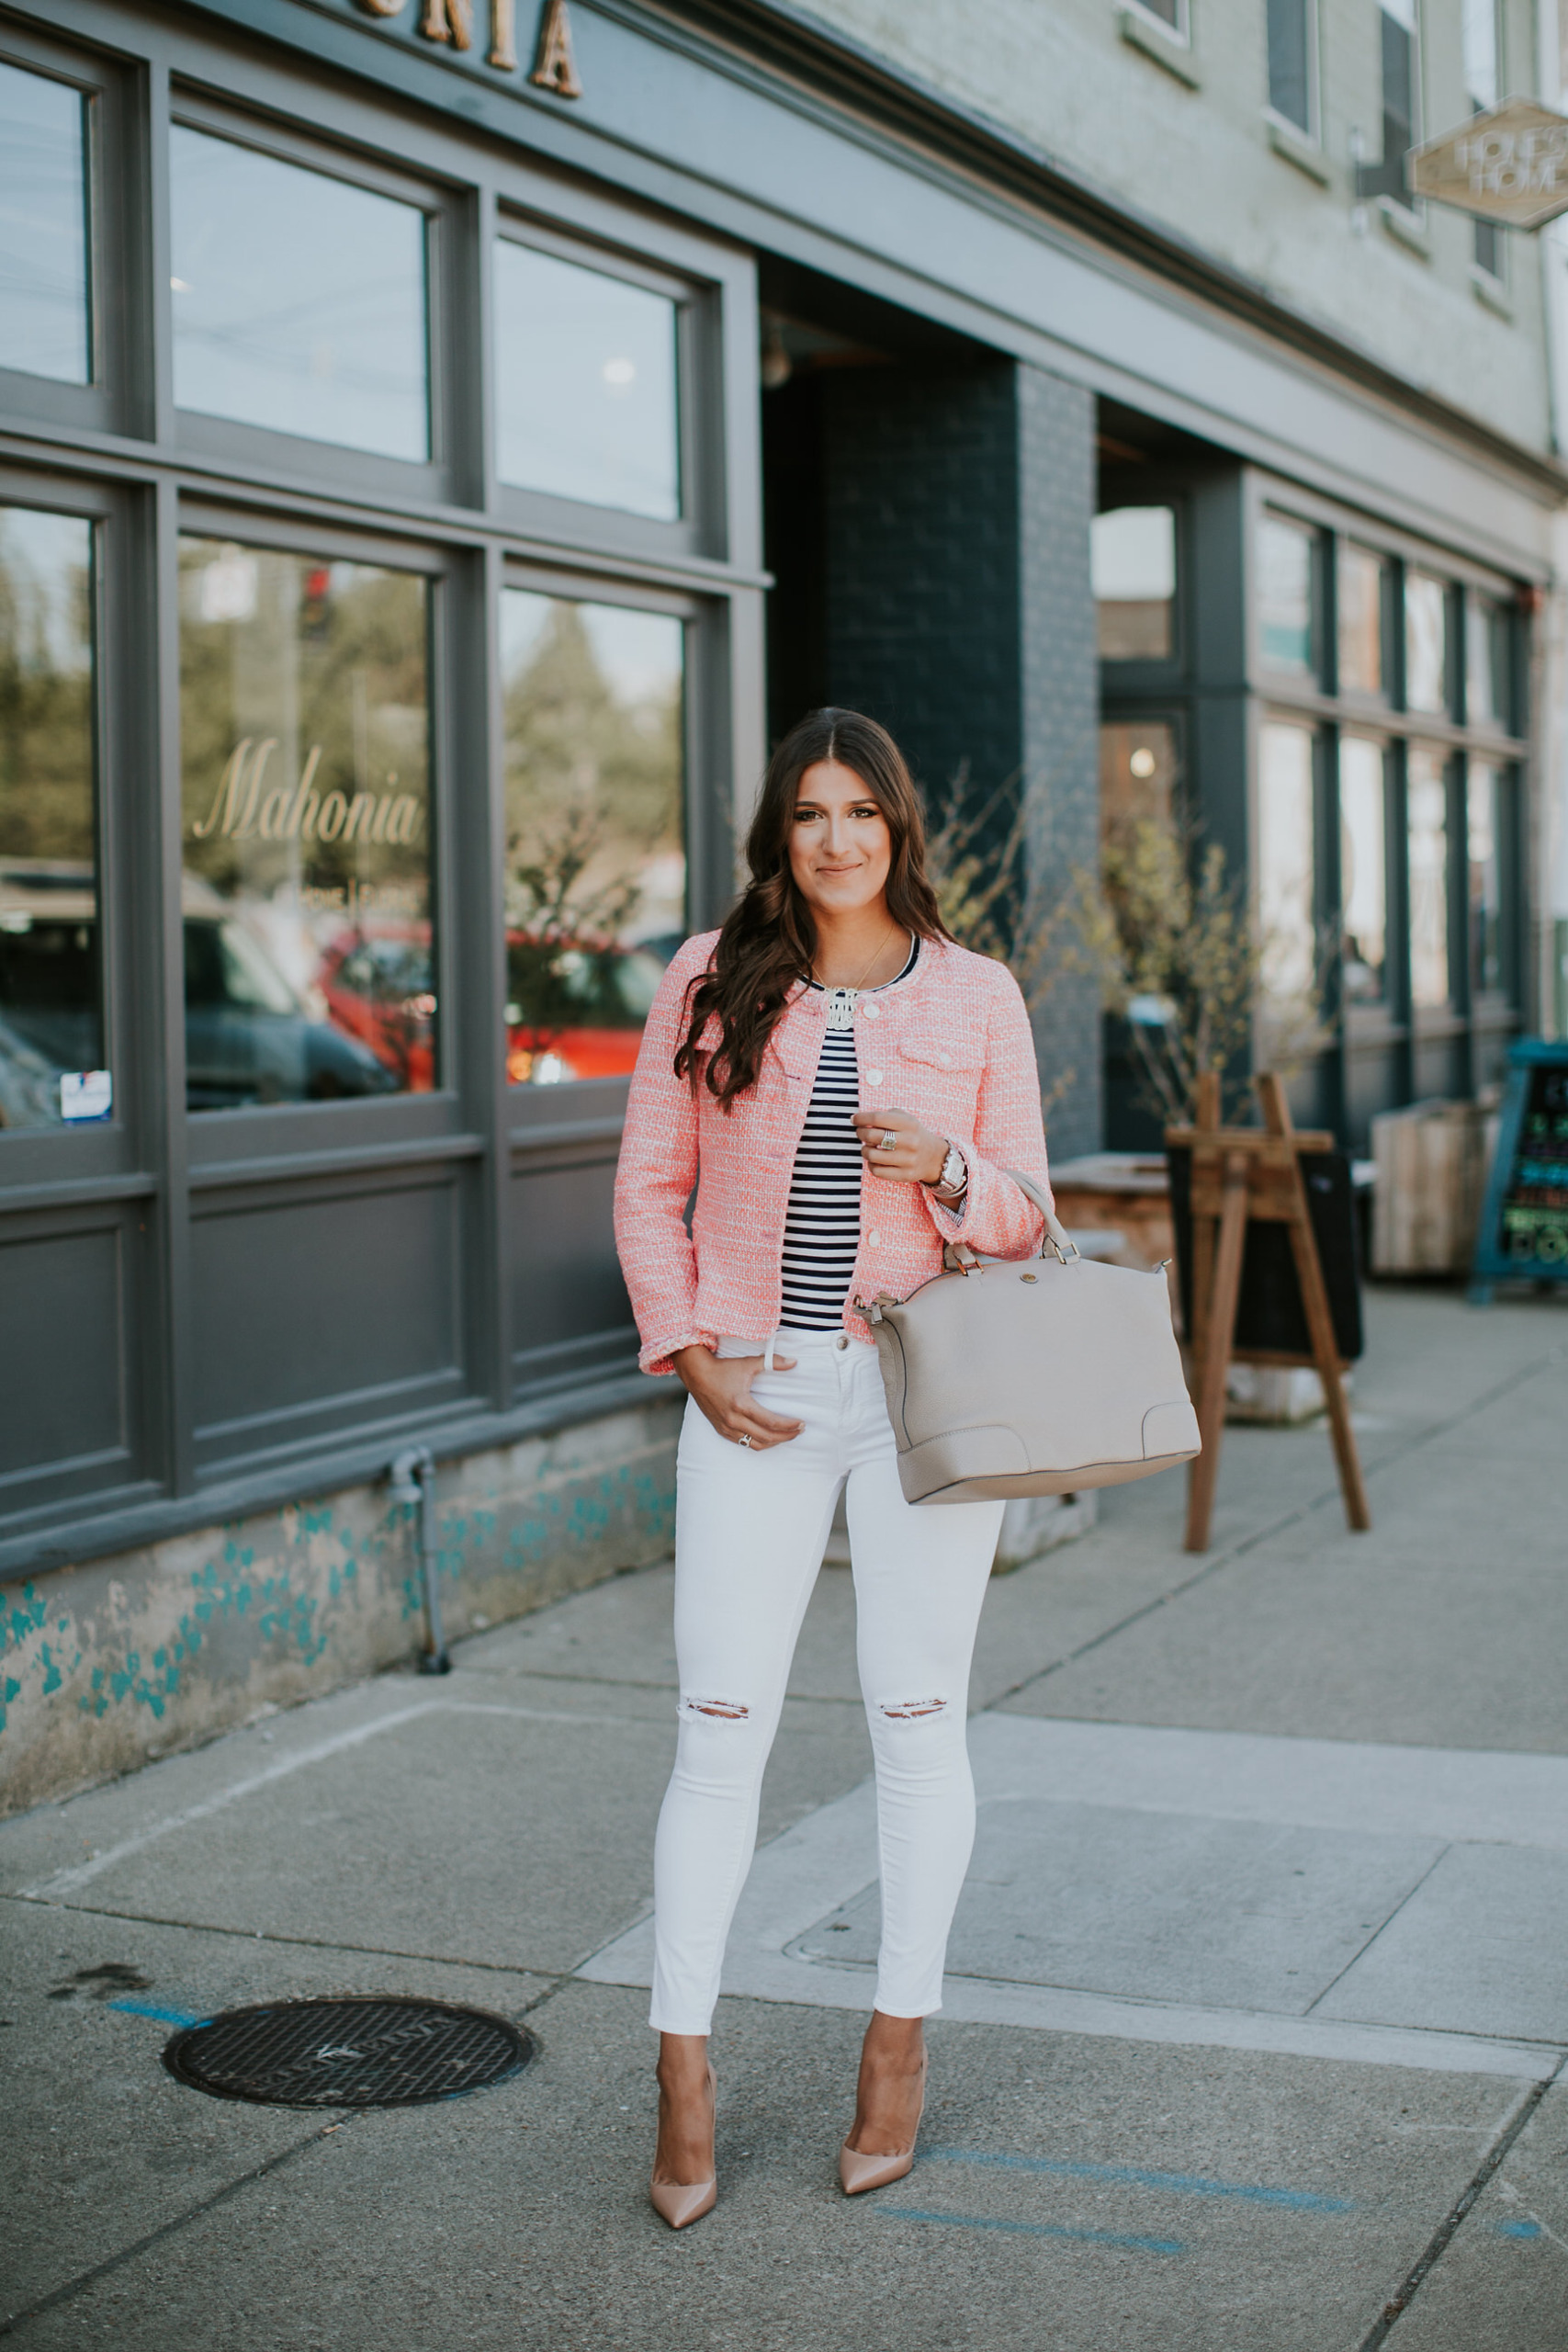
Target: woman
x: 844, y: 1086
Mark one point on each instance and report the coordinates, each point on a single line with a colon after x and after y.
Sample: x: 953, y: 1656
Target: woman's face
x: 840, y: 846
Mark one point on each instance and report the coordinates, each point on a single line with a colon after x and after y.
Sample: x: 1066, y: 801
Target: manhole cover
x: 367, y: 2052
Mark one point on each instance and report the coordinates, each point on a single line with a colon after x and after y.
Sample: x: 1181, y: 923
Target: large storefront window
x: 1363, y: 878
x: 304, y: 749
x: 50, y: 1017
x: 43, y: 227
x: 1428, y: 797
x: 596, y: 850
x: 1286, y: 872
x: 585, y: 384
x: 1133, y: 563
x: 1485, y: 829
x: 299, y: 300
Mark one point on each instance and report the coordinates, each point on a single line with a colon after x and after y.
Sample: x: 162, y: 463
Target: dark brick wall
x: 1060, y: 716
x: 956, y: 607
x: 919, y: 484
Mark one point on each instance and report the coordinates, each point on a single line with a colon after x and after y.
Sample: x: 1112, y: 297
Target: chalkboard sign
x: 1270, y: 1320
x: 1523, y: 1234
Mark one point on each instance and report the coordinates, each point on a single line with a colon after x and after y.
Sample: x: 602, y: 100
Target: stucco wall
x: 1201, y: 160
x: 106, y: 1666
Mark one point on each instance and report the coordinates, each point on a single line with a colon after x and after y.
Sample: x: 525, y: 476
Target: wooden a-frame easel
x: 1240, y: 1174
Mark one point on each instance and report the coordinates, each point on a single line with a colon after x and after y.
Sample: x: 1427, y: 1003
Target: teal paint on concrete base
x: 104, y: 1667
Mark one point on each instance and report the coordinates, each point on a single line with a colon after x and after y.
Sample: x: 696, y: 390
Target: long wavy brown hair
x: 769, y: 939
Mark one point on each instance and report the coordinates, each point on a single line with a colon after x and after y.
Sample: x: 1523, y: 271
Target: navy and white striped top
x: 821, y: 1235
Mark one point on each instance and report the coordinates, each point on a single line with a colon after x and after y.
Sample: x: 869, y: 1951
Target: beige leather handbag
x: 1039, y: 1378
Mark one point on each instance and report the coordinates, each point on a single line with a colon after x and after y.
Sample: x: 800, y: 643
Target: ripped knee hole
x: 723, y: 1711
x: 908, y: 1711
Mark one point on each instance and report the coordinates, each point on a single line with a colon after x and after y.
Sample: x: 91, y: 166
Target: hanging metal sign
x: 1509, y: 164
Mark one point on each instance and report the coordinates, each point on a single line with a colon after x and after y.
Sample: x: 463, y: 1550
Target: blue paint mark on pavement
x: 1296, y: 2201
x: 1031, y: 2229
x: 1516, y: 2229
x: 151, y: 2009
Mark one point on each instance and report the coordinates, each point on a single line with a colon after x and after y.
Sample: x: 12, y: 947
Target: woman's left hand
x: 914, y: 1154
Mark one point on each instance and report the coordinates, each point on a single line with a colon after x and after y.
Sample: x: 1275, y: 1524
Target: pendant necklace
x: 841, y: 1001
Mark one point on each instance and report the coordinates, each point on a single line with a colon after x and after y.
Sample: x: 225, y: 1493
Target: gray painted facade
x: 220, y: 1322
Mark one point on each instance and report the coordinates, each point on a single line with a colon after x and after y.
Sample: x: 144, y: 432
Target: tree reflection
x: 595, y: 857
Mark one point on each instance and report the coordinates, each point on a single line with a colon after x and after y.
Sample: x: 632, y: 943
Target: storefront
x: 387, y: 445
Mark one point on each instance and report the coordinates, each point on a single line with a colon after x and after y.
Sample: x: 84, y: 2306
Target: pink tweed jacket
x: 952, y: 1044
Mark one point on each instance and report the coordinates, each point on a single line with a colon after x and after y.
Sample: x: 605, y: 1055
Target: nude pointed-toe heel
x: 680, y: 2206
x: 683, y: 2202
x: 857, y: 2172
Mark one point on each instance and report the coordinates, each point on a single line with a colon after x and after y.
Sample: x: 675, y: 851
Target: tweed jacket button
x: 871, y: 1011
x: 874, y: 1077
x: 874, y: 1238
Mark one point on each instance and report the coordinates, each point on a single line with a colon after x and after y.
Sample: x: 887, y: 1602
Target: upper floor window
x: 1291, y: 90
x: 1397, y: 39
x: 1287, y: 603
x: 1169, y: 12
x: 586, y: 384
x: 298, y: 300
x: 1482, y: 82
x: 45, y: 319
x: 1132, y: 565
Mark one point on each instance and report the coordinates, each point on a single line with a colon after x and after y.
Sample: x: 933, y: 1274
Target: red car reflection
x: 377, y: 990
x: 576, y: 1007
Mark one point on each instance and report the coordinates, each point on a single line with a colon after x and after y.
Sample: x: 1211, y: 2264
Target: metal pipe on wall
x: 413, y: 1486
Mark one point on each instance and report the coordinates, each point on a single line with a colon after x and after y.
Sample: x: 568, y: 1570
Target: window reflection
x: 43, y: 227
x: 1286, y: 874
x: 595, y: 855
x: 51, y: 1019
x: 299, y: 302
x: 585, y: 384
x: 1137, y: 773
x: 1486, y: 879
x: 1285, y: 598
x: 304, y: 753
x: 1364, y: 887
x: 1426, y: 798
x: 1132, y: 561
x: 1426, y: 642
x: 1361, y: 575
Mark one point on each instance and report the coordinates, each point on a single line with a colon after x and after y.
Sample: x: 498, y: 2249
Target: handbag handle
x: 959, y: 1257
x: 1055, y: 1232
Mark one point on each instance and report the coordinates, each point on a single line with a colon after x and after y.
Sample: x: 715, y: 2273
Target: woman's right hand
x: 722, y: 1387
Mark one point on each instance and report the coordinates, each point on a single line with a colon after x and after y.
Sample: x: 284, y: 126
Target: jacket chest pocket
x: 942, y: 1070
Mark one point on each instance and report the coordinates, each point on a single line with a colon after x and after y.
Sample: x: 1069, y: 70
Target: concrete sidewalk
x: 1258, y: 1991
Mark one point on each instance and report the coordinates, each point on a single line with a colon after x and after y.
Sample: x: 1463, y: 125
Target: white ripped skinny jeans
x: 751, y: 1528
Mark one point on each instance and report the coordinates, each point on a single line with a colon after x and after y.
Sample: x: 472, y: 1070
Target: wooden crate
x: 1431, y: 1165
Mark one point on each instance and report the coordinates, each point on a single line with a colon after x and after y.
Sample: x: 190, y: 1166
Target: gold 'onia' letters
x: 452, y: 22
x: 240, y: 813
